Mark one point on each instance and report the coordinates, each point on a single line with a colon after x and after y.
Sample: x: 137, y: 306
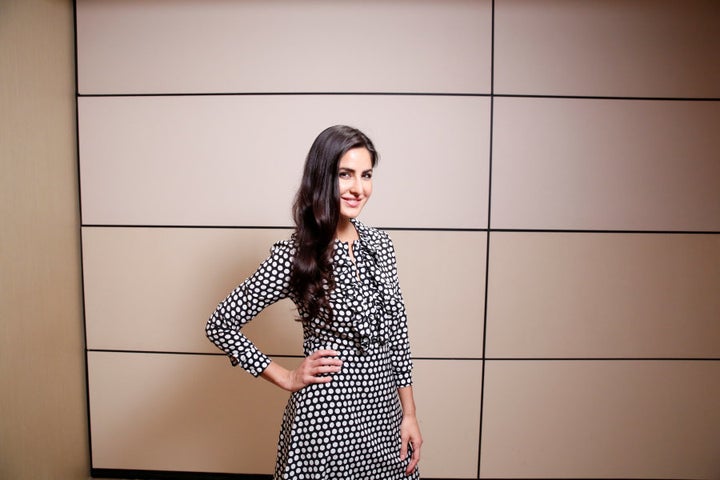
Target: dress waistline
x: 357, y: 345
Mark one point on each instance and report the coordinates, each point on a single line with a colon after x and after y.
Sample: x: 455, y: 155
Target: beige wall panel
x: 181, y: 412
x: 195, y: 413
x: 606, y: 164
x: 442, y: 275
x: 43, y: 416
x: 237, y: 160
x: 449, y: 416
x: 154, y: 289
x: 283, y: 46
x: 645, y: 48
x: 610, y: 295
x: 594, y: 419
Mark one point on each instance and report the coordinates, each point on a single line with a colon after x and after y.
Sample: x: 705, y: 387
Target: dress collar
x: 368, y: 242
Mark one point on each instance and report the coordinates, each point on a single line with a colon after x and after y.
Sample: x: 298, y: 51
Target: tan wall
x: 599, y: 353
x: 43, y: 419
x: 598, y: 356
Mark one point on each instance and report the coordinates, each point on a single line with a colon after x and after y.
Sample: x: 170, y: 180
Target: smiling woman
x: 351, y: 413
x: 354, y: 185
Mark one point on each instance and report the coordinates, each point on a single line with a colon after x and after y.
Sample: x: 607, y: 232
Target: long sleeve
x: 266, y: 286
x: 398, y: 329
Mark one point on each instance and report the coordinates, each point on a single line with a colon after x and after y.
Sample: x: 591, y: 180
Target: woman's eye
x: 367, y: 175
x: 343, y: 175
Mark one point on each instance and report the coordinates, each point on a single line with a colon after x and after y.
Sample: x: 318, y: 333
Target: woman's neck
x: 346, y: 231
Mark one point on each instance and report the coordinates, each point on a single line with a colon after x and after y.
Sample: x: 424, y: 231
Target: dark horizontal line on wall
x: 170, y: 352
x: 272, y: 94
x: 220, y: 227
x: 567, y: 359
x: 432, y: 229
x: 608, y: 97
x: 407, y: 94
x: 165, y: 475
x: 418, y: 229
x: 602, y: 359
x: 491, y: 359
x: 270, y: 227
x: 559, y: 230
x: 159, y: 352
x: 172, y: 475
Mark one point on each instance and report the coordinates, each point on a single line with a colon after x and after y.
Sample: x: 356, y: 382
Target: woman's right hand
x: 320, y: 362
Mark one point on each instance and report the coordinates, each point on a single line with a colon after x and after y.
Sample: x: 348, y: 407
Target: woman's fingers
x: 321, y: 369
x: 324, y: 361
x: 411, y: 439
x: 318, y: 366
x: 324, y: 354
x: 414, y: 461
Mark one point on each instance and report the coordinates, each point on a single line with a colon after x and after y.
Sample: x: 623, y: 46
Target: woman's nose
x: 356, y: 186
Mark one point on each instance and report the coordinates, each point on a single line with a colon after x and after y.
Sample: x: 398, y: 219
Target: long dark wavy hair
x: 316, y: 212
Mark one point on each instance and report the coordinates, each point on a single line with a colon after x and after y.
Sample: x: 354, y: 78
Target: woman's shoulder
x: 285, y: 248
x: 374, y: 237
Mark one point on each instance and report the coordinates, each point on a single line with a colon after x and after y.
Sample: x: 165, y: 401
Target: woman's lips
x: 352, y: 202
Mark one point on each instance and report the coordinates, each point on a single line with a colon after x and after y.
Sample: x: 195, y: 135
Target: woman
x: 351, y: 414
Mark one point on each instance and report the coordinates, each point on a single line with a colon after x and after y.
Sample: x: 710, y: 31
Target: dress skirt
x: 347, y: 429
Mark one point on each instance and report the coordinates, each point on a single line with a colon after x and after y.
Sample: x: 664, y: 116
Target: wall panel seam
x: 487, y: 239
x: 80, y: 238
x: 284, y: 94
x: 413, y: 229
x: 424, y: 358
x: 404, y: 94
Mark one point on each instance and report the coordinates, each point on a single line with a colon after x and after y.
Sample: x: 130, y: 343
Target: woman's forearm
x: 277, y: 375
x: 407, y: 400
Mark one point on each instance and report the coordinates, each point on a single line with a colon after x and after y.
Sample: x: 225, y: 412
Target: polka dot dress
x: 348, y: 428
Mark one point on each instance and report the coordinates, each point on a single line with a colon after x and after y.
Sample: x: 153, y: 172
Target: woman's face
x: 354, y: 181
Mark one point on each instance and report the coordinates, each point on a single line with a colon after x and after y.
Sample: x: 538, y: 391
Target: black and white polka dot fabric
x: 348, y: 428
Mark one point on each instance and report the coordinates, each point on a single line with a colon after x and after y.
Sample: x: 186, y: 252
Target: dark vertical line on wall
x: 80, y: 231
x: 77, y: 112
x: 487, y: 240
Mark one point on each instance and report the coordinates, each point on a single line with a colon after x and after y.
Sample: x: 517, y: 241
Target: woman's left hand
x: 410, y: 435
